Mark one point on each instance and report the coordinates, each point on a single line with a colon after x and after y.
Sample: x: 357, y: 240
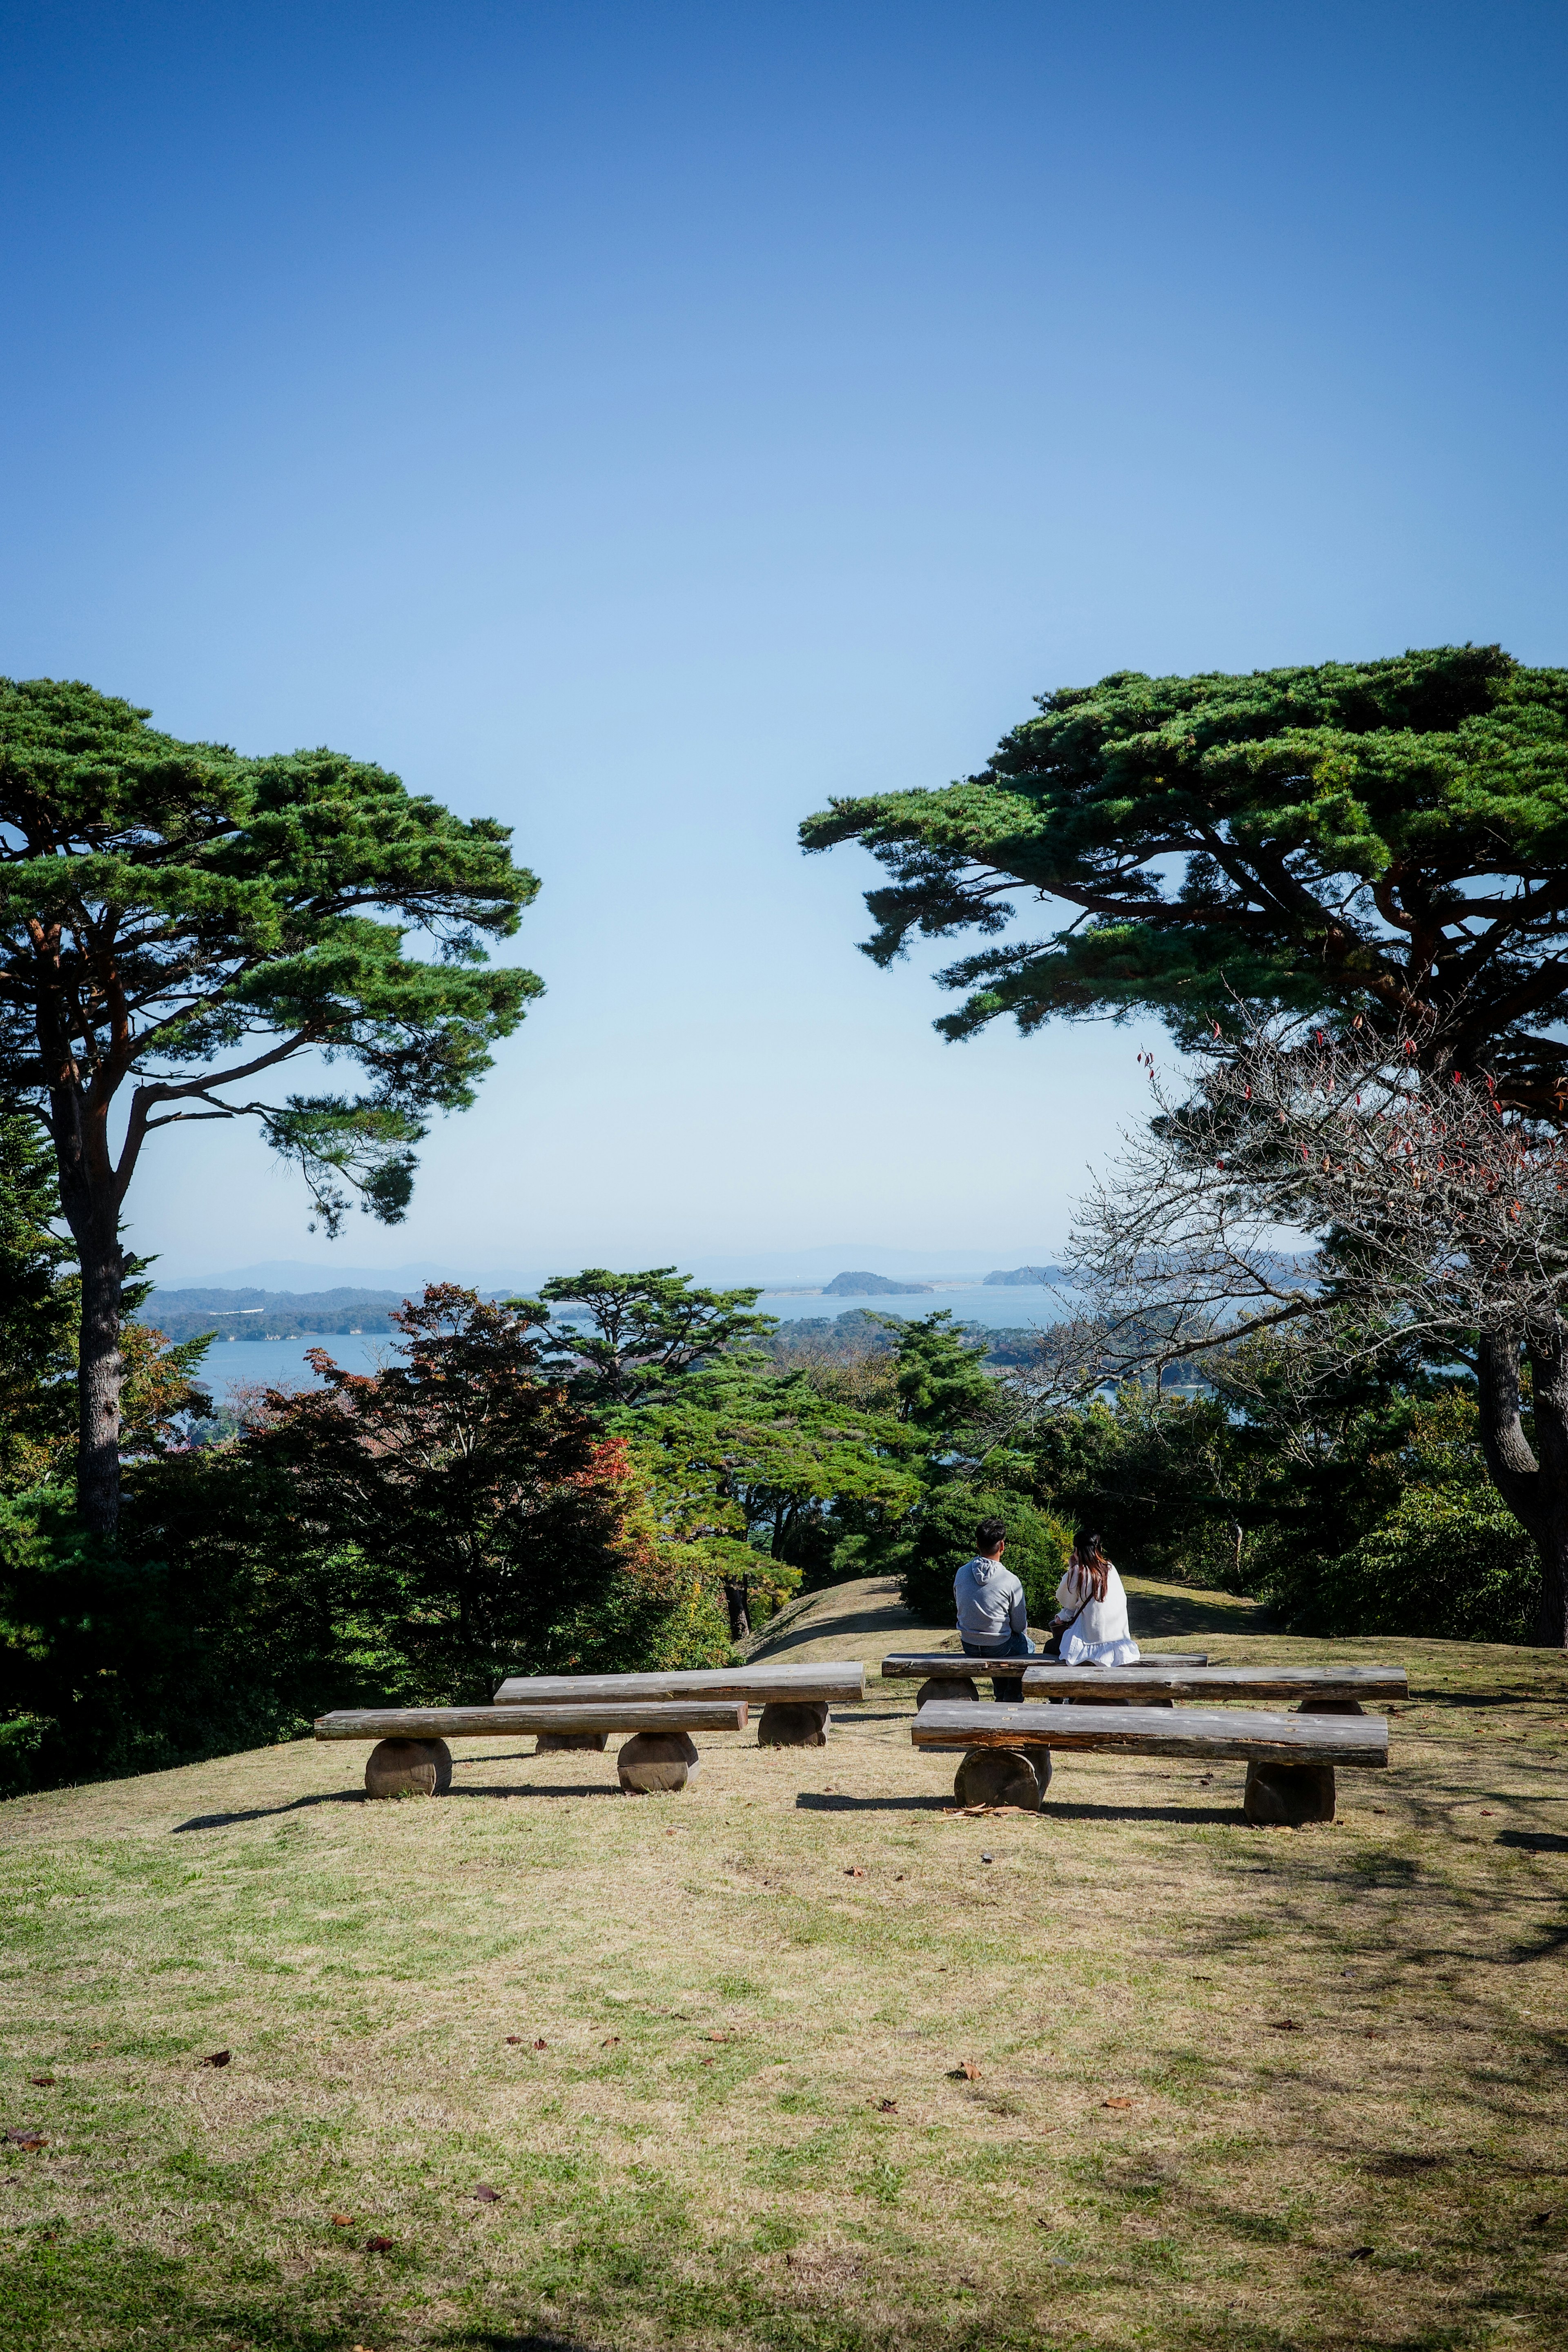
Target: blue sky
x: 640, y: 424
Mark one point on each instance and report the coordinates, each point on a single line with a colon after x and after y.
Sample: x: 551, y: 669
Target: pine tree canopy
x: 179, y: 915
x: 1387, y: 836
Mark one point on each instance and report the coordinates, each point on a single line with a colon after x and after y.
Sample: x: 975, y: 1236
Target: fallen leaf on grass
x: 1358, y: 2253
x: 1284, y: 2026
x: 515, y: 2037
x: 1116, y: 2103
x: 378, y: 2245
x: 42, y: 2082
x: 853, y: 1870
x: 1539, y: 2220
x: 541, y: 2045
x: 486, y: 2195
x: 1373, y: 2033
x: 890, y: 2107
x: 968, y: 2073
x: 720, y: 2035
x: 611, y: 2042
x: 342, y: 2221
x: 27, y: 2139
x: 217, y: 2058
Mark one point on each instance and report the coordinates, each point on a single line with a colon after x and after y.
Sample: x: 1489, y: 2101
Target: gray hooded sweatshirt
x: 991, y: 1605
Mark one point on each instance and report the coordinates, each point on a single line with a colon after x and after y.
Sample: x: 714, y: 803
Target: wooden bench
x: 943, y: 1669
x: 1290, y: 1759
x: 795, y: 1700
x: 1337, y: 1690
x: 412, y: 1758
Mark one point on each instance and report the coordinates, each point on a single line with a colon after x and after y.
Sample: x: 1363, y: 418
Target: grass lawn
x: 797, y: 2058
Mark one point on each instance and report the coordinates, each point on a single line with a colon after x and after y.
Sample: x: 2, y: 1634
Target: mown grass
x: 701, y: 2154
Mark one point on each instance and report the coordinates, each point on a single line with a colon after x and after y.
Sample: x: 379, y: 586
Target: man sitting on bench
x: 992, y: 1615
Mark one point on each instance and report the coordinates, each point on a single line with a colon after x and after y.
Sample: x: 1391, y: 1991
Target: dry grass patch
x: 1144, y: 2076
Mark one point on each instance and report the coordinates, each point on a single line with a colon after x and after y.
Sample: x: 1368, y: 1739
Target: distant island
x: 870, y: 1286
x: 269, y: 1314
x: 1022, y: 1276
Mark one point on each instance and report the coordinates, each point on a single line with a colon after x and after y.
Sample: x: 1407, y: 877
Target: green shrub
x: 1448, y: 1562
x: 109, y: 1664
x: 942, y: 1539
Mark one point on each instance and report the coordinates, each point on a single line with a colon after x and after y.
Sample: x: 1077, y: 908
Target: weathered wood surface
x: 914, y: 1665
x: 837, y: 1682
x: 1089, y: 1683
x: 503, y: 1722
x: 1159, y: 1731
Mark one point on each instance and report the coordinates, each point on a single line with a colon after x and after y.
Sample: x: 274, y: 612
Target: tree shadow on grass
x: 488, y: 2341
x: 1154, y: 1616
x: 889, y: 1617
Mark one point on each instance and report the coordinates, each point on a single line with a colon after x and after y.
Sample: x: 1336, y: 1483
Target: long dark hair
x: 1089, y: 1567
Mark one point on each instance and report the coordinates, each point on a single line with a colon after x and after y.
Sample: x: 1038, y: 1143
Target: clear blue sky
x: 641, y: 423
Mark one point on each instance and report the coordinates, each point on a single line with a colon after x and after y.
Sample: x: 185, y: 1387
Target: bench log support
x: 658, y: 1763
x: 793, y: 1723
x: 408, y: 1768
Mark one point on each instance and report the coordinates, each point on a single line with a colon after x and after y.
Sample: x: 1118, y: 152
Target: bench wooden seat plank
x: 835, y: 1682
x: 1084, y: 1683
x: 1331, y: 1739
x: 505, y: 1722
x: 932, y: 1665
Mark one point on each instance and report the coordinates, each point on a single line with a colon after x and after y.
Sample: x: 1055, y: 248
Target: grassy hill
x: 800, y: 2059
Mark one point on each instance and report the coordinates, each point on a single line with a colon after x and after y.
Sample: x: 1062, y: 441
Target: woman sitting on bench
x: 1091, y: 1628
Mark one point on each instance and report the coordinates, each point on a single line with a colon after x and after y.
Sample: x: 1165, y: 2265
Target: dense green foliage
x: 933, y: 1550
x: 472, y: 1514
x: 1387, y: 836
x: 37, y: 1312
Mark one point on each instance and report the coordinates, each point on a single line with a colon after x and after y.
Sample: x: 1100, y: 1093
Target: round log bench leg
x: 571, y: 1743
x: 408, y: 1768
x: 1003, y: 1776
x: 654, y: 1761
x: 931, y: 1693
x: 1284, y: 1796
x: 793, y: 1723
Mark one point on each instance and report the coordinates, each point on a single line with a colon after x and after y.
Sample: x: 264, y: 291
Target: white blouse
x: 1100, y: 1637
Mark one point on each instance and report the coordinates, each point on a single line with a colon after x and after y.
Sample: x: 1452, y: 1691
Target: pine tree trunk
x: 1534, y: 1485
x: 100, y: 1375
x: 1549, y: 1388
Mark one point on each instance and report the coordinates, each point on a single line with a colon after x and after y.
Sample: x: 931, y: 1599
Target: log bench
x: 411, y: 1758
x: 1337, y: 1690
x: 1290, y: 1759
x: 948, y: 1673
x: 795, y: 1700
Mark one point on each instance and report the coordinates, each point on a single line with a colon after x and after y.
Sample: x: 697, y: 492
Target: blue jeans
x: 1006, y: 1689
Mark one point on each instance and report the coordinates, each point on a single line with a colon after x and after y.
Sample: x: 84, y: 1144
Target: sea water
x: 282, y: 1363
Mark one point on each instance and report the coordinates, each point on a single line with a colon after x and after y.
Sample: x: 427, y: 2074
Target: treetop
x: 1390, y: 835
